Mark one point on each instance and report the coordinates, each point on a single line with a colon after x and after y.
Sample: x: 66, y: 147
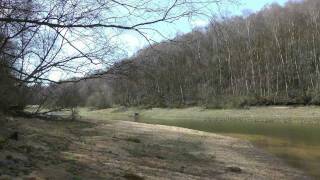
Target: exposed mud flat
x: 129, y: 150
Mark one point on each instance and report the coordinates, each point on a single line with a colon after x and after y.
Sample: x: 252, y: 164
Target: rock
x: 182, y: 168
x: 14, y: 136
x: 160, y: 157
x: 15, y: 160
x: 25, y: 171
x: 9, y: 157
x: 30, y: 178
x: 133, y: 139
x: 131, y: 176
x: 234, y: 169
x: 26, y: 148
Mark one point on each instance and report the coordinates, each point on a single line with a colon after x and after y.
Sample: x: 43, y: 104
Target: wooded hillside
x: 263, y: 58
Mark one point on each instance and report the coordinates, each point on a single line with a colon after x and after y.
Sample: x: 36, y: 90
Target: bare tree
x: 264, y: 58
x: 74, y: 35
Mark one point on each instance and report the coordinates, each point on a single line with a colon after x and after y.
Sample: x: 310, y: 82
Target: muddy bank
x: 128, y: 150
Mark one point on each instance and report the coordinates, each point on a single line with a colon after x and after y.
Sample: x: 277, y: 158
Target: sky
x: 258, y: 4
x: 132, y: 41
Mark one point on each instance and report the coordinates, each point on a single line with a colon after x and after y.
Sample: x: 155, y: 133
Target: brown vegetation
x: 270, y: 57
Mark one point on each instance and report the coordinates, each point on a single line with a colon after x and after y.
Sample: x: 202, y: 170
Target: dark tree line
x: 270, y: 57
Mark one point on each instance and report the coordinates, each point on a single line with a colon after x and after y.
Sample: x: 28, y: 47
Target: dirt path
x: 128, y: 150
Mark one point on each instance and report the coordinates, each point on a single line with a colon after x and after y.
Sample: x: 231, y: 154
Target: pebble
x: 9, y: 157
x: 234, y: 169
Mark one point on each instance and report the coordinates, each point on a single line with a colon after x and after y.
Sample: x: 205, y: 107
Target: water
x: 296, y: 143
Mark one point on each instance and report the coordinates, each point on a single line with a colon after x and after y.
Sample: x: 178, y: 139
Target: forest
x: 269, y: 57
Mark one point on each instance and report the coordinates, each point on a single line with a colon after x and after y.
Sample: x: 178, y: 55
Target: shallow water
x: 296, y: 143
